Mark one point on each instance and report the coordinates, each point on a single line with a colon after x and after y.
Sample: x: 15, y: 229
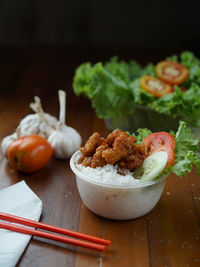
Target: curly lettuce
x: 141, y: 133
x: 189, y: 60
x: 106, y: 86
x: 114, y: 89
x: 186, y: 150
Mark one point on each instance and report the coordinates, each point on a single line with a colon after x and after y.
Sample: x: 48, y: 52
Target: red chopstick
x: 60, y: 238
x: 12, y: 218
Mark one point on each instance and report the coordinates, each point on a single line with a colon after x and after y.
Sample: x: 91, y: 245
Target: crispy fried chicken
x: 118, y: 148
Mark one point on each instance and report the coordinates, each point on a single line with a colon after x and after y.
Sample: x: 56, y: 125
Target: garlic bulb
x: 40, y: 123
x: 65, y: 140
x: 6, y: 142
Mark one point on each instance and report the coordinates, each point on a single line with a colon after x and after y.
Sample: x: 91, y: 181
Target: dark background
x: 51, y: 38
x: 142, y: 25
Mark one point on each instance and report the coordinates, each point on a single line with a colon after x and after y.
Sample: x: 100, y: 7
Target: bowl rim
x: 123, y: 186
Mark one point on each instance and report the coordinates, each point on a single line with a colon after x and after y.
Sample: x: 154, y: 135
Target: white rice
x: 108, y: 175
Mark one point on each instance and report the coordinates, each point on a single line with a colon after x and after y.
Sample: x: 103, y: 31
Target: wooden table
x: 167, y: 236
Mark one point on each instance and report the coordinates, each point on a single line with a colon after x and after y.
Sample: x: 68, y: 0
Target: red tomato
x: 29, y: 153
x: 172, y: 72
x: 161, y: 141
x: 155, y: 86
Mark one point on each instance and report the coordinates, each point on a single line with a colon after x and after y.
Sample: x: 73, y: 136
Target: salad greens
x: 186, y: 150
x: 114, y: 89
x: 141, y: 134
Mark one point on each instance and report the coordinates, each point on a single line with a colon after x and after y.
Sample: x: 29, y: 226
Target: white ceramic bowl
x: 116, y: 201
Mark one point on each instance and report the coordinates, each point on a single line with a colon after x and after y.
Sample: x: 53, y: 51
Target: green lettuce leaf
x: 141, y: 97
x: 186, y: 151
x: 182, y: 105
x: 141, y: 134
x: 189, y: 60
x: 114, y: 89
x: 107, y: 88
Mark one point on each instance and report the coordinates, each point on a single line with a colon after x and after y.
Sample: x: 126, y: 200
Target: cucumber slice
x: 152, y: 166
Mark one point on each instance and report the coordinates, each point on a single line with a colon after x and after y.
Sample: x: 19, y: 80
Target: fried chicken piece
x: 87, y: 161
x: 98, y: 160
x: 112, y: 136
x: 140, y: 149
x: 134, y: 160
x: 80, y: 160
x: 119, y: 150
x: 131, y: 162
x: 102, y: 147
x: 101, y: 141
x: 91, y: 144
x: 131, y: 143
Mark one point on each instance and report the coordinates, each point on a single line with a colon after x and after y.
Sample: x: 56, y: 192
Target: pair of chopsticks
x: 98, y: 243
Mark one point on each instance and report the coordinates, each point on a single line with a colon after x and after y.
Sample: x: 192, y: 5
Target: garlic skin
x: 34, y: 124
x: 6, y: 142
x: 40, y: 123
x: 65, y: 141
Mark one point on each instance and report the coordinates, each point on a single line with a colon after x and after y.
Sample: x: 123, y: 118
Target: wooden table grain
x: 168, y: 236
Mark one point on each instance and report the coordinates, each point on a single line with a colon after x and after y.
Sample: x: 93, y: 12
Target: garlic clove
x: 40, y: 123
x: 48, y: 126
x: 28, y: 125
x: 65, y: 141
x: 6, y: 142
x: 33, y: 124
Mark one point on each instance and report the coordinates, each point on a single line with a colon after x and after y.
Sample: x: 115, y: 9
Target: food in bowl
x: 127, y: 95
x: 125, y: 180
x: 119, y: 147
x: 111, y: 195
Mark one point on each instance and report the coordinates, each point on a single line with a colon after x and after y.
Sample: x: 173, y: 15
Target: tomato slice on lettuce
x: 155, y: 86
x: 172, y: 72
x: 161, y: 141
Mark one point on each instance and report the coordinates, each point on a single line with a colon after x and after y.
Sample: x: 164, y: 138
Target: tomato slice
x: 172, y: 72
x: 155, y: 86
x: 161, y: 141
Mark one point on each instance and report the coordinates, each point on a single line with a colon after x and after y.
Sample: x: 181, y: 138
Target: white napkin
x: 18, y: 200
